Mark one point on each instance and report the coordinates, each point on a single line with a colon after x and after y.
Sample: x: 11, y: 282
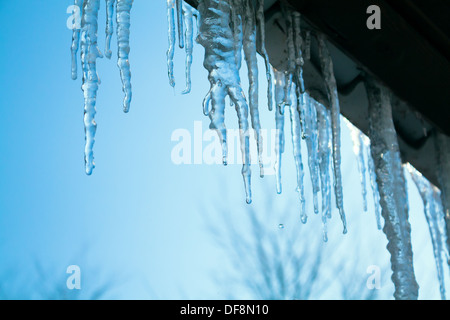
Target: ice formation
x: 391, y: 183
x: 312, y: 145
x: 75, y: 44
x: 324, y: 146
x: 230, y: 30
x: 223, y: 45
x: 109, y: 27
x: 296, y: 146
x: 373, y: 183
x: 280, y: 99
x: 188, y: 21
x: 330, y: 83
x: 234, y: 29
x: 227, y: 30
x: 171, y: 33
x: 434, y: 214
x: 361, y: 148
x: 260, y: 21
x: 249, y: 47
x: 123, y: 9
x: 358, y: 149
x: 86, y: 40
x: 89, y: 54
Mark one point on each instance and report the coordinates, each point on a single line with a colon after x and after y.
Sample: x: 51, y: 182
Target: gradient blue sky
x: 138, y: 223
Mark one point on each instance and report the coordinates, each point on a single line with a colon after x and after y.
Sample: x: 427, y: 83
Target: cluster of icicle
x: 430, y: 195
x: 310, y: 121
x: 361, y: 148
x: 85, y: 39
x: 435, y: 218
x: 228, y: 28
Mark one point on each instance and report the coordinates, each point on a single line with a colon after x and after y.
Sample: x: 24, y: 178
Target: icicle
x: 109, y: 27
x: 123, y: 9
x: 325, y: 150
x: 296, y: 143
x: 75, y: 42
x: 179, y: 9
x: 433, y: 213
x: 216, y: 36
x: 249, y: 46
x: 290, y: 39
x: 89, y: 54
x: 291, y: 63
x: 188, y: 14
x: 171, y: 36
x: 330, y: 82
x: 260, y: 20
x: 280, y: 84
x: 301, y: 104
x: 287, y: 90
x: 391, y: 181
x: 298, y: 41
x: 299, y: 62
x: 358, y: 149
x: 312, y: 145
x: 373, y: 183
x: 442, y: 147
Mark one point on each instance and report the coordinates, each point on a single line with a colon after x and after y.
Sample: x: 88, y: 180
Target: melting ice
x: 435, y: 218
x: 86, y: 40
x: 391, y: 183
x: 234, y: 29
x: 361, y: 147
x: 231, y: 30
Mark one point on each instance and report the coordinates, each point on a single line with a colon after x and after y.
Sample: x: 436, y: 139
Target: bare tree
x: 286, y: 261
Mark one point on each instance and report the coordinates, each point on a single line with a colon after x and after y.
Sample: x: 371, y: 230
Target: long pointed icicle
x: 249, y: 46
x: 217, y: 37
x: 312, y: 145
x: 260, y: 20
x: 358, y: 149
x: 330, y: 83
x: 123, y: 10
x: 373, y: 183
x: 325, y: 150
x: 75, y: 41
x: 188, y: 14
x: 442, y: 147
x: 171, y: 39
x: 299, y: 62
x: 89, y: 54
x: 280, y: 83
x: 291, y: 49
x: 296, y: 146
x: 433, y: 213
x: 391, y: 181
x: 109, y: 27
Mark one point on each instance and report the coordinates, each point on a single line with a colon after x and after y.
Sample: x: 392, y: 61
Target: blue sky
x: 138, y: 223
